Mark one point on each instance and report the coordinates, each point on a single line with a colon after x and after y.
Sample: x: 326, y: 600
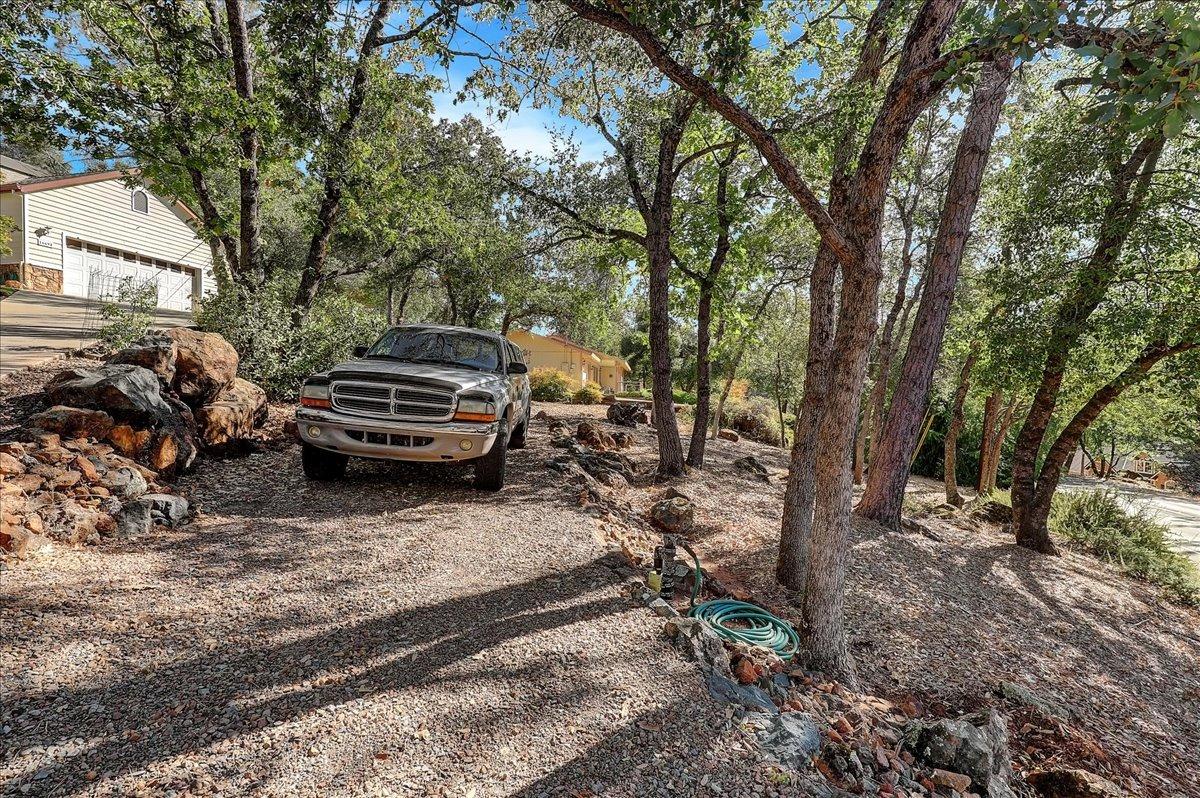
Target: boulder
x: 73, y: 422
x: 9, y: 465
x: 167, y: 508
x: 590, y: 435
x: 233, y: 415
x: 975, y: 746
x: 751, y: 466
x: 154, y: 351
x: 994, y: 512
x: 205, y: 365
x: 22, y: 542
x: 626, y: 414
x: 125, y: 392
x: 126, y: 482
x: 791, y: 738
x: 1072, y: 783
x: 675, y: 515
x: 163, y: 453
x: 127, y: 440
x: 729, y: 435
x: 134, y: 519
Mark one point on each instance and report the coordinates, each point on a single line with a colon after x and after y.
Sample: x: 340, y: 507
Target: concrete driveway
x: 35, y: 327
x: 1180, y: 513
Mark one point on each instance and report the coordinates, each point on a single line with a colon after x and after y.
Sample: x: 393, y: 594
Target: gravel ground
x: 397, y: 634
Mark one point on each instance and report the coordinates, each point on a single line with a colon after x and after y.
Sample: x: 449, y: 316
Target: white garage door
x: 98, y: 272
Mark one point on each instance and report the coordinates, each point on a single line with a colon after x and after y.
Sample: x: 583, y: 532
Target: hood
x: 449, y: 377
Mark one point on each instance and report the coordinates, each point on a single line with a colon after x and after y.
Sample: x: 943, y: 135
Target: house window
x: 141, y: 202
x: 1143, y: 465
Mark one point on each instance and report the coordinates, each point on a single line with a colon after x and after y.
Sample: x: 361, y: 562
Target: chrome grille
x: 399, y: 401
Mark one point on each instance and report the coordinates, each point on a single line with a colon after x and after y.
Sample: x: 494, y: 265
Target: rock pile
x: 77, y: 490
x: 627, y: 415
x: 159, y: 400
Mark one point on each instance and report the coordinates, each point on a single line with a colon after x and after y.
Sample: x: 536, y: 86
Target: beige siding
x: 102, y: 213
x: 10, y: 206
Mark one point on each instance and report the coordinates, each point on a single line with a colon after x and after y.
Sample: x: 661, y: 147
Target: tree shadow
x: 397, y: 650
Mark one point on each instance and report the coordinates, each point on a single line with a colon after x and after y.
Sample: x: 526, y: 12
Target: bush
x: 589, y: 394
x: 1096, y: 522
x: 130, y: 315
x: 277, y: 355
x: 683, y: 397
x: 756, y: 418
x: 549, y: 385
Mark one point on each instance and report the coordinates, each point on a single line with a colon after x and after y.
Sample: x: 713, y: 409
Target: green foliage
x: 755, y: 417
x: 549, y: 385
x: 7, y: 225
x: 680, y: 397
x: 1133, y: 541
x: 589, y: 394
x: 274, y: 353
x: 130, y: 314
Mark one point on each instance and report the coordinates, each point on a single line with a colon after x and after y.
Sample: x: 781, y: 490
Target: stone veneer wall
x: 39, y: 278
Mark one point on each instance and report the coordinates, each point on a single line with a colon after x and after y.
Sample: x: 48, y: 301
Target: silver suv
x: 424, y: 393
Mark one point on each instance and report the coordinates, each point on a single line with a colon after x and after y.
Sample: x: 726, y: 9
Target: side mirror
x: 518, y: 368
x: 359, y: 351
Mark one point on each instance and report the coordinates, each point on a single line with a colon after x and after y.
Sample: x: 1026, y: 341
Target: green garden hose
x: 742, y: 622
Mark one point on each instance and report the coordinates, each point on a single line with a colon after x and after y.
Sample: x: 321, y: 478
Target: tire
x: 323, y: 465
x: 517, y: 441
x: 489, y: 469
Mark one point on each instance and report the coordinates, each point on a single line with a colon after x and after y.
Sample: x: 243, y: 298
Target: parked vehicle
x: 424, y: 393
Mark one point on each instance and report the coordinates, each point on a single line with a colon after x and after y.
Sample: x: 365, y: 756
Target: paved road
x: 1180, y: 513
x: 35, y: 327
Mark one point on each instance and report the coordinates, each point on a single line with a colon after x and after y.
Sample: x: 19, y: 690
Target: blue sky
x: 529, y: 130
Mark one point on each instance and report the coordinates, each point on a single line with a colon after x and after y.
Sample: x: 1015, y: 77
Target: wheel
x: 489, y: 469
x: 517, y: 441
x: 323, y: 465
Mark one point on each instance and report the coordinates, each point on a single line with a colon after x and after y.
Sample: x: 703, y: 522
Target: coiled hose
x: 740, y: 621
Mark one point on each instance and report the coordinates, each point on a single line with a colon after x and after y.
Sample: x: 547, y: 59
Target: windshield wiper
x: 434, y: 362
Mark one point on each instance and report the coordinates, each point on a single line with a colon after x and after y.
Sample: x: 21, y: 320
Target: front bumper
x: 394, y: 440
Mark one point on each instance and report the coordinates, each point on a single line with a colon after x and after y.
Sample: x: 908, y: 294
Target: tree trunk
x: 331, y: 196
x: 991, y: 409
x: 695, y: 455
x: 250, y: 254
x: 1034, y: 519
x: 996, y: 448
x: 884, y: 493
x: 956, y: 425
x: 1131, y: 179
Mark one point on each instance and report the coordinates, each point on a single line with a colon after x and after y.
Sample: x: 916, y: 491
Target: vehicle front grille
x: 392, y: 439
x: 402, y: 401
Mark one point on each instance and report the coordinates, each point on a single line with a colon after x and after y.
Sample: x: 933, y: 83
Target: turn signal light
x: 465, y: 416
x: 312, y: 401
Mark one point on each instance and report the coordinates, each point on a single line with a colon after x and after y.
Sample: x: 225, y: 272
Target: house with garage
x: 89, y: 234
x: 582, y: 364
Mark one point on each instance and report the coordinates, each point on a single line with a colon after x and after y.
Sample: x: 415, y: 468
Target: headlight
x: 472, y: 408
x: 315, y: 394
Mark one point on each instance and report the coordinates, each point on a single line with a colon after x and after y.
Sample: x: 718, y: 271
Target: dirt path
x: 401, y: 634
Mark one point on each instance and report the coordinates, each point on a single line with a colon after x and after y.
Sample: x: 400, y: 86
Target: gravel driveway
x: 398, y: 634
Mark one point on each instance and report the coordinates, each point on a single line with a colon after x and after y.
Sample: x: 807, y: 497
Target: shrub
x: 277, y: 355
x: 130, y: 315
x: 549, y: 385
x: 756, y: 418
x: 1096, y: 522
x: 683, y: 397
x: 589, y: 394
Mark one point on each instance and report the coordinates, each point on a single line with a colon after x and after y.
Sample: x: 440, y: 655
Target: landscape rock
x: 791, y: 738
x: 154, y: 351
x: 675, y: 515
x: 1072, y: 783
x: 976, y: 746
x: 233, y: 415
x: 167, y: 508
x: 626, y: 414
x: 993, y: 512
x: 22, y: 542
x: 727, y: 691
x: 729, y: 435
x: 125, y: 392
x: 126, y: 482
x: 127, y: 440
x: 10, y: 465
x: 753, y: 467
x: 697, y: 641
x: 205, y: 365
x: 622, y: 440
x: 134, y: 519
x: 73, y: 422
x: 163, y: 453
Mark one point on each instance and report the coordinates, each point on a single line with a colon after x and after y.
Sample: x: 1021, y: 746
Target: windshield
x: 438, y: 346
